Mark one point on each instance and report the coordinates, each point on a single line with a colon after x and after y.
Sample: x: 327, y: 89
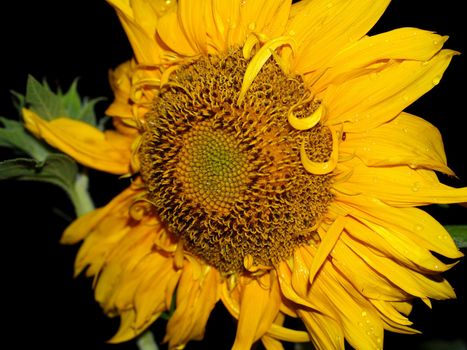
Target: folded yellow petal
x: 83, y: 142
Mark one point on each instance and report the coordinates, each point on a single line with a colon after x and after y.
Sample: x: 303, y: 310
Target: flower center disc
x: 226, y: 178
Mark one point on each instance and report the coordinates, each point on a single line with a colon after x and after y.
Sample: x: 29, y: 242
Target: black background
x: 44, y: 307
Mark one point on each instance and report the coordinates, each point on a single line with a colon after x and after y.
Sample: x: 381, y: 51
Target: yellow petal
x: 359, y: 320
x: 259, y: 307
x: 123, y: 257
x: 265, y: 17
x: 99, y: 244
x: 318, y: 168
x: 398, y: 44
x: 83, y: 142
x: 170, y: 30
x: 290, y: 289
x: 288, y: 334
x: 271, y: 343
x: 235, y: 20
x: 364, y: 278
x: 412, y: 282
x: 125, y: 331
x: 393, y: 319
x: 326, y: 333
x: 196, y: 297
x: 120, y: 82
x: 324, y: 27
x: 139, y: 19
x: 378, y: 96
x: 414, y: 223
x: 83, y: 226
x: 307, y: 122
x: 401, y: 186
x: 395, y: 246
x: 328, y: 241
x: 405, y: 140
x: 150, y: 297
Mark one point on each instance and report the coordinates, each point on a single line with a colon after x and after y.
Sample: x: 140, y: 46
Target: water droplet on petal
x: 405, y: 130
x: 364, y: 314
x: 418, y: 227
x: 435, y: 42
x: 252, y: 26
x: 416, y: 187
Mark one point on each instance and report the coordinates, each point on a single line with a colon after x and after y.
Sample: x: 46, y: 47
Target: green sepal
x: 77, y: 108
x: 50, y: 105
x: 42, y: 100
x: 14, y: 136
x: 459, y: 234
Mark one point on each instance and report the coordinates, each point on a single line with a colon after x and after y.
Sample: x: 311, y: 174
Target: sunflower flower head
x: 274, y: 170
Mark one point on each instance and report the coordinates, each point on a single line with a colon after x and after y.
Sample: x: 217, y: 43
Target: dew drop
x: 418, y: 227
x: 435, y: 42
x: 436, y: 267
x: 416, y: 187
x: 364, y: 313
x: 252, y: 26
x: 292, y: 32
x: 405, y: 130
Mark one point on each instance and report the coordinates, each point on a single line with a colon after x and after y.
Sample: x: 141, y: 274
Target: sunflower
x: 273, y: 169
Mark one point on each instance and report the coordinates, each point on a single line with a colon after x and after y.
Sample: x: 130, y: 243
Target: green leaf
x: 56, y: 169
x: 43, y: 101
x: 459, y: 234
x: 13, y: 135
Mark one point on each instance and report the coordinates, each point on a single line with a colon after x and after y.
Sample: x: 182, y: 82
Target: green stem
x: 79, y: 195
x: 146, y: 341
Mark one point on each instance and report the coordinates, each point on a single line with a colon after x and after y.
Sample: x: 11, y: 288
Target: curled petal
x: 307, y: 122
x: 318, y: 168
x: 258, y: 61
